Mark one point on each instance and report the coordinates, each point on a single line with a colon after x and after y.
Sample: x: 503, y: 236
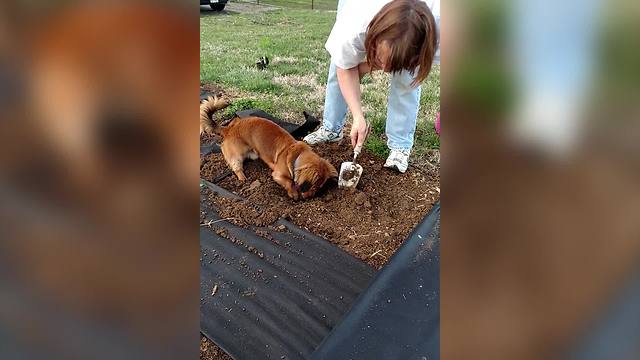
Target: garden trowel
x: 350, y: 171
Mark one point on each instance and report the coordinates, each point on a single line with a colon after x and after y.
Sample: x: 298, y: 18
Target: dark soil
x: 369, y: 222
x: 212, y: 166
x: 212, y: 89
x: 349, y: 174
x: 210, y: 351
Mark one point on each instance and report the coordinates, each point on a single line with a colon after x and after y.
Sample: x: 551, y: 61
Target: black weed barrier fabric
x: 273, y: 293
x: 398, y: 316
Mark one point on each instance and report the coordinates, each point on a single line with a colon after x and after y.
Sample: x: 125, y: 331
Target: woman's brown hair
x: 409, y: 28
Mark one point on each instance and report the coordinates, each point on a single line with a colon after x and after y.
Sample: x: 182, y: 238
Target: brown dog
x: 295, y: 166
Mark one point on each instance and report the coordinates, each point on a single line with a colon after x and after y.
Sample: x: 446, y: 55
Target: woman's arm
x: 349, y: 81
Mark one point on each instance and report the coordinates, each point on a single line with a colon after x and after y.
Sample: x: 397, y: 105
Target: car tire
x: 217, y: 7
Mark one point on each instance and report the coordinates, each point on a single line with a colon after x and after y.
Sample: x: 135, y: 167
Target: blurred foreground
x: 540, y: 174
x: 98, y: 180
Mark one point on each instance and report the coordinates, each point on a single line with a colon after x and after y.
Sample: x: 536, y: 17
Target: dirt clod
x: 264, y: 234
x: 254, y: 185
x: 349, y: 174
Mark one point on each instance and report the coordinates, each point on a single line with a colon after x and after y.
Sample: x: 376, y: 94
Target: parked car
x: 217, y: 5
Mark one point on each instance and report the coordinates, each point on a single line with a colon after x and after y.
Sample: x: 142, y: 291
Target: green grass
x: 299, y: 4
x: 295, y: 80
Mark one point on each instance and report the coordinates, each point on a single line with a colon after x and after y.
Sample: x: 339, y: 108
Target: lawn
x: 298, y: 4
x: 295, y: 80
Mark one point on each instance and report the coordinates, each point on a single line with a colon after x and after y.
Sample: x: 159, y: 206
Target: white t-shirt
x: 346, y: 41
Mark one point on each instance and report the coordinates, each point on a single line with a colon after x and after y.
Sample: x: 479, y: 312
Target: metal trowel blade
x: 349, y: 175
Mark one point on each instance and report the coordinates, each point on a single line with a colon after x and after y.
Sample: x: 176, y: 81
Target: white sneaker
x: 322, y: 135
x: 398, y: 159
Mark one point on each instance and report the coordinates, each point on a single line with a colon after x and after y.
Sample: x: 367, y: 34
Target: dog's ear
x: 333, y: 173
x: 291, y: 166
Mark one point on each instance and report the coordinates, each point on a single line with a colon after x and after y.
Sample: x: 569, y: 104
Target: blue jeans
x: 403, y: 104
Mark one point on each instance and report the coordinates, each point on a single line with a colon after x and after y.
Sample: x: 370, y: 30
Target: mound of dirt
x: 212, y: 166
x: 369, y: 222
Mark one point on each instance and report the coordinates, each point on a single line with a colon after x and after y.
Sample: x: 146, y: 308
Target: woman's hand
x: 359, y: 131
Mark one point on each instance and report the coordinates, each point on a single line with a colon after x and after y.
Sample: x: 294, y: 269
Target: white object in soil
x: 352, y: 181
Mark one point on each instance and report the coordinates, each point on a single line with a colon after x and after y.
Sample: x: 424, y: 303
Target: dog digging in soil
x: 294, y: 165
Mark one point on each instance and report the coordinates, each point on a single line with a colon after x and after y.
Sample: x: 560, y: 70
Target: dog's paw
x: 294, y: 195
x: 240, y: 175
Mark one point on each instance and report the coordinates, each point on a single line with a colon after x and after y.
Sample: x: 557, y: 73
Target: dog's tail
x: 207, y: 108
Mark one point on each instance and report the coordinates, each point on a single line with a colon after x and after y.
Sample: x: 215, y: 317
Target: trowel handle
x: 356, y: 151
